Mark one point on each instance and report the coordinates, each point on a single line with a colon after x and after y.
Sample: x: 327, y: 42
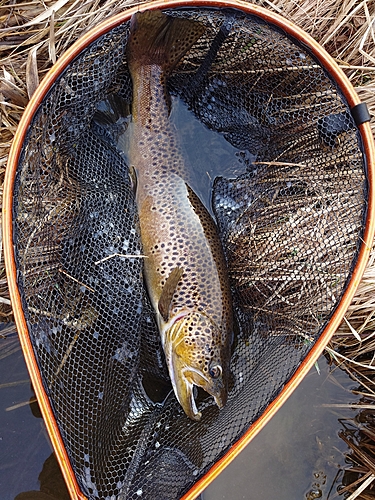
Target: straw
x: 34, y: 34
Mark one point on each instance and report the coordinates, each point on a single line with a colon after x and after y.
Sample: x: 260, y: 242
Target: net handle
x: 7, y: 227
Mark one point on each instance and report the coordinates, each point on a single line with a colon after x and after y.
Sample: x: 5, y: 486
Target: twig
x: 126, y: 256
x: 66, y: 355
x: 77, y: 281
x: 363, y: 486
x: 281, y: 163
x: 14, y: 384
x: 20, y: 405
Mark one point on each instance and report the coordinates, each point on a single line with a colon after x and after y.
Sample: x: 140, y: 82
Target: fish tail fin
x: 158, y: 39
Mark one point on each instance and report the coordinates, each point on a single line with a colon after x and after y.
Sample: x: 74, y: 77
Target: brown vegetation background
x: 34, y: 34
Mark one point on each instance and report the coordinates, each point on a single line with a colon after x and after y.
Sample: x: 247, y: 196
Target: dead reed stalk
x: 34, y: 34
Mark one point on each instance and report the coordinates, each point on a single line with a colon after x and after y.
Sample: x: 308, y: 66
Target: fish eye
x: 215, y: 371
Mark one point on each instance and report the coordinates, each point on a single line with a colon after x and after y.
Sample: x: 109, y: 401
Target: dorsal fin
x: 168, y: 291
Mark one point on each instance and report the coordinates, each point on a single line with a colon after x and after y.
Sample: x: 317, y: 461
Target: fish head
x: 196, y: 356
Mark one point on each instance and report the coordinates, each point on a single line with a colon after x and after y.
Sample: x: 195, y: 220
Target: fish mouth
x: 183, y: 384
x: 183, y: 387
x: 185, y: 394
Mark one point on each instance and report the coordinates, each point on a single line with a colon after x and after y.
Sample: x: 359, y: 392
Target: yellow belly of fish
x: 173, y: 237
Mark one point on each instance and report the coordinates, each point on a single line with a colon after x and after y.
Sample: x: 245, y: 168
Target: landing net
x: 291, y: 225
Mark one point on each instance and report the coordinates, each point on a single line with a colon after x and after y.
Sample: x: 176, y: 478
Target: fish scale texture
x: 290, y: 224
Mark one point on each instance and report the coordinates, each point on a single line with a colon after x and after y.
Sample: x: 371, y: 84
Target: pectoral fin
x: 168, y: 291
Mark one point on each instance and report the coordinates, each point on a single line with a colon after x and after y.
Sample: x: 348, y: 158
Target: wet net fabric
x: 290, y: 224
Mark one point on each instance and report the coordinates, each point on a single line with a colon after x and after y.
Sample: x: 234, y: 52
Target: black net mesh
x: 290, y: 220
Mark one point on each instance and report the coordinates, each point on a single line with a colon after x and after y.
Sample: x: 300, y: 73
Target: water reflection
x: 24, y: 445
x: 52, y: 486
x: 297, y: 455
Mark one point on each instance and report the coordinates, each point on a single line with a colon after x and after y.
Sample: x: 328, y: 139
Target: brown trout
x: 184, y: 268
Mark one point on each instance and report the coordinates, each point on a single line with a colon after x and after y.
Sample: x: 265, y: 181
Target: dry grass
x: 286, y: 251
x: 33, y: 34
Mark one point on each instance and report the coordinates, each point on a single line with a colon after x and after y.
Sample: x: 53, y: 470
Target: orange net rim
x: 9, y: 257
